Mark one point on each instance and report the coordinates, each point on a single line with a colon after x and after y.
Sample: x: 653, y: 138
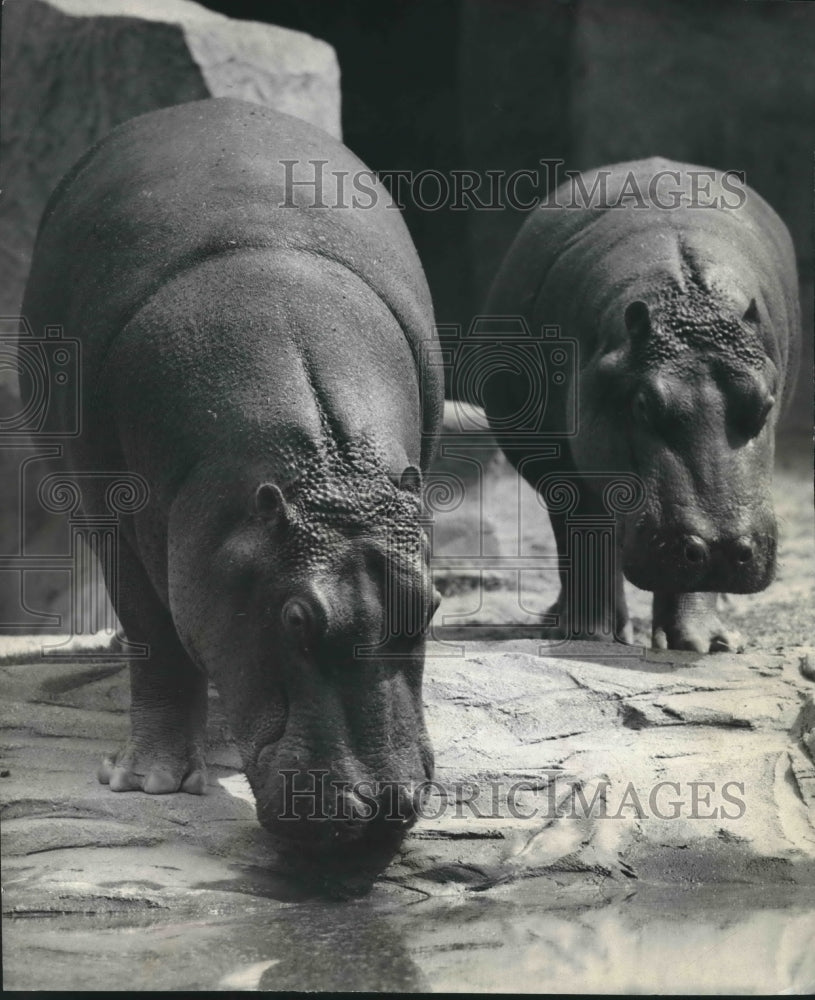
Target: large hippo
x: 678, y: 285
x: 253, y: 348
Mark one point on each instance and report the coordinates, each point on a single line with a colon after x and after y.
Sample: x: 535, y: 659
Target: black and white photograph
x: 407, y: 532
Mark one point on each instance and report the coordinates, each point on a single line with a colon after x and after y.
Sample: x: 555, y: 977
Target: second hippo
x: 678, y: 287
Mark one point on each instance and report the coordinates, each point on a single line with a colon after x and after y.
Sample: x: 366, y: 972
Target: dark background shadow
x: 497, y: 84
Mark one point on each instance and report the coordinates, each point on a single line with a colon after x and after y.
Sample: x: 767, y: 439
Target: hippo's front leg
x: 168, y: 698
x: 603, y: 604
x: 690, y: 621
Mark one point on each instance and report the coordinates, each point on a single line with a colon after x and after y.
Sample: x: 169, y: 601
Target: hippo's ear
x: 751, y: 313
x: 269, y: 501
x: 637, y: 319
x: 411, y: 480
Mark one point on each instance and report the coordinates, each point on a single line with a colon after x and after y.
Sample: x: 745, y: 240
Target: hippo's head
x: 310, y: 620
x: 686, y: 400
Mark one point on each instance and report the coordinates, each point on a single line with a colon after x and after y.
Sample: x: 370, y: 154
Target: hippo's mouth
x: 312, y: 814
x: 335, y: 838
x: 334, y: 842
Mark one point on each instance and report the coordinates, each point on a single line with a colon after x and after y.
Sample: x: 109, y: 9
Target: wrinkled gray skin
x: 687, y: 322
x: 260, y: 367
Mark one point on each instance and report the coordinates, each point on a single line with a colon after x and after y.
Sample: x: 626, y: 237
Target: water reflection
x: 553, y: 934
x: 667, y: 942
x: 342, y: 947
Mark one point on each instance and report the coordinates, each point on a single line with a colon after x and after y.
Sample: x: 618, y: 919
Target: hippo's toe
x: 720, y: 641
x: 690, y: 621
x: 155, y: 773
x: 593, y: 625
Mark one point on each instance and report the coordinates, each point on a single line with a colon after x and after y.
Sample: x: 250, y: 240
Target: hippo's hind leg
x: 168, y: 697
x: 690, y: 621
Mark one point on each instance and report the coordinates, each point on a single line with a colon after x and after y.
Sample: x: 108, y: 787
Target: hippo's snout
x: 340, y: 795
x: 318, y: 812
x: 683, y: 561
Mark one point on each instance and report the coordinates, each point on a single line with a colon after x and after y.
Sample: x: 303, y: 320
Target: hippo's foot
x: 690, y: 621
x: 168, y: 697
x: 168, y: 716
x: 155, y: 769
x: 593, y: 626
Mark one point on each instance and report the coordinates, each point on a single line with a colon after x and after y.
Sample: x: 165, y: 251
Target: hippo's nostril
x: 695, y: 550
x: 743, y: 550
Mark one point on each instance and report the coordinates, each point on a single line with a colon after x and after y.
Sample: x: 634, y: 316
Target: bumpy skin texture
x: 687, y: 325
x: 260, y: 362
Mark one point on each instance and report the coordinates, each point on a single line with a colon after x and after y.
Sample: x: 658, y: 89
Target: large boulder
x: 71, y: 71
x: 74, y: 69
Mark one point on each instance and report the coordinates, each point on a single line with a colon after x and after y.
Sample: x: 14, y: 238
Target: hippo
x: 253, y: 348
x: 678, y: 287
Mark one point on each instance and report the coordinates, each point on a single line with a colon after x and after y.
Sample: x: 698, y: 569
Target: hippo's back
x: 623, y: 232
x: 227, y: 188
x: 171, y: 189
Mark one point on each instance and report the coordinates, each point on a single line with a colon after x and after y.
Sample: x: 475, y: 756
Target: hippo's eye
x: 294, y: 614
x: 749, y: 399
x: 752, y: 414
x: 649, y: 405
x: 425, y: 548
x: 305, y: 621
x: 298, y: 623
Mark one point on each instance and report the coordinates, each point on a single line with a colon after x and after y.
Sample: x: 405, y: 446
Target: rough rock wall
x: 71, y: 71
